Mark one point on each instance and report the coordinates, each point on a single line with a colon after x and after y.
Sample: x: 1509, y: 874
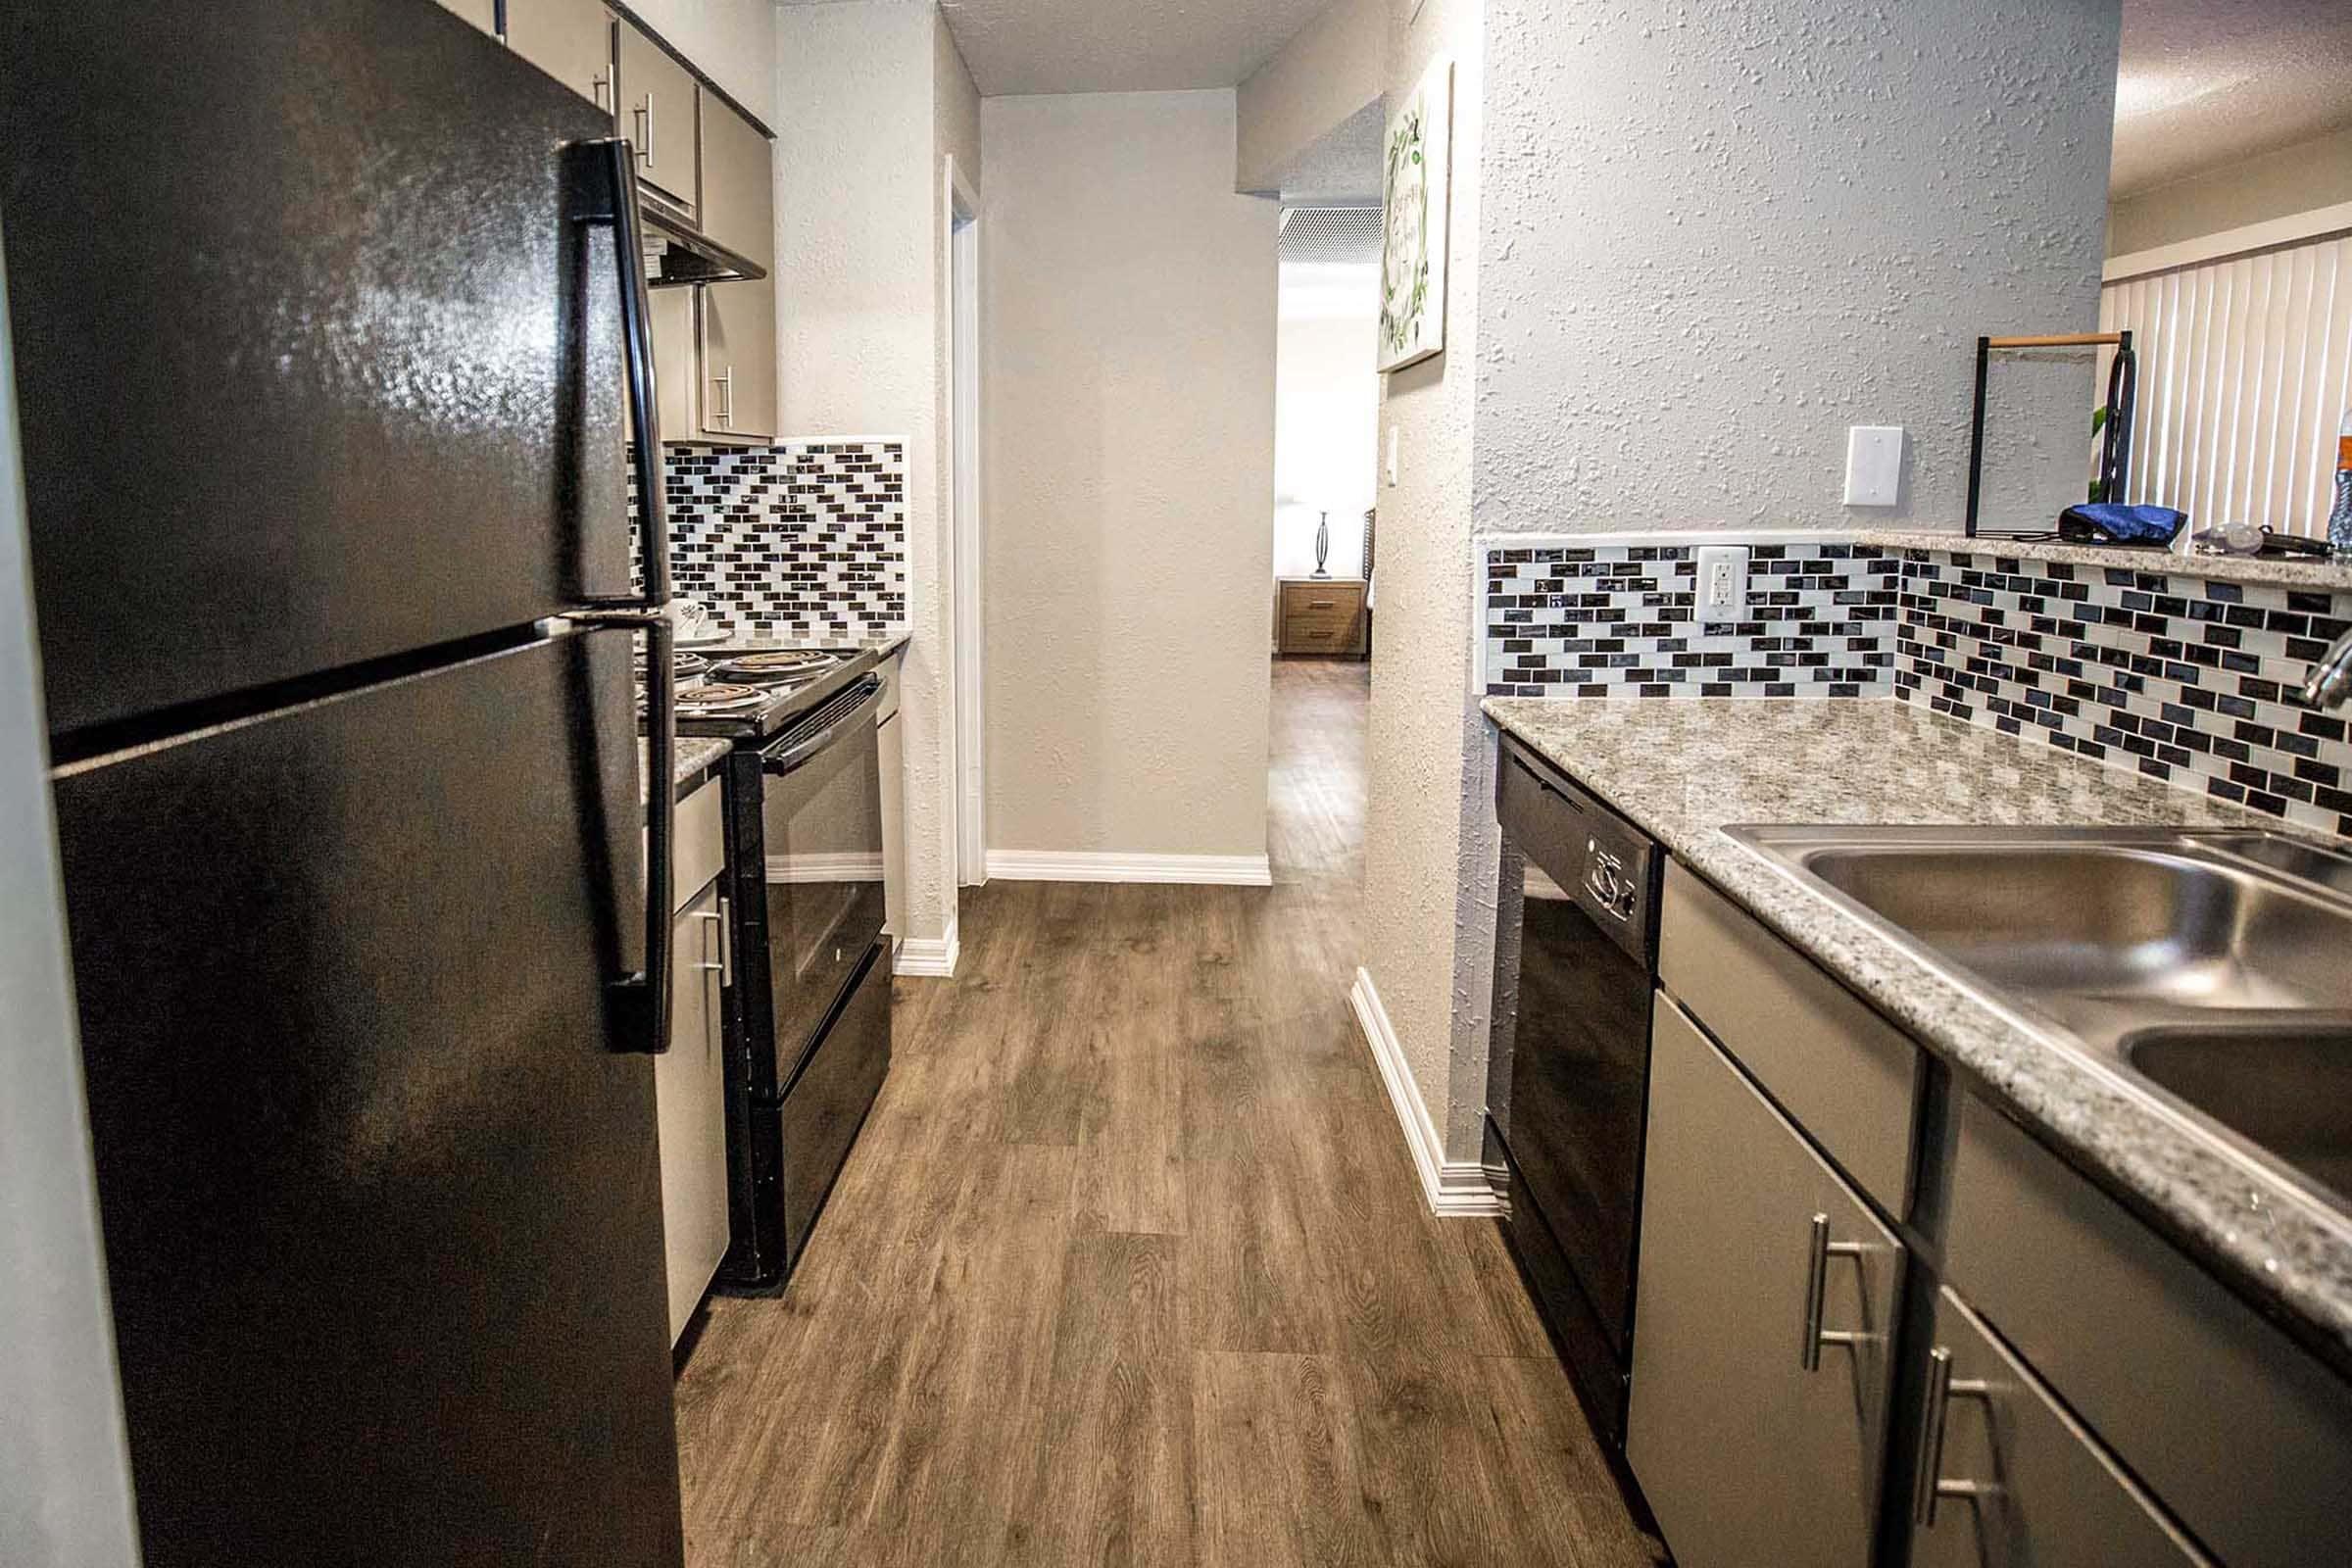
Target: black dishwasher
x: 1568, y: 1064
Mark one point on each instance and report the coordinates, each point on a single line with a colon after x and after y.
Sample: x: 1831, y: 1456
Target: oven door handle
x: 868, y: 692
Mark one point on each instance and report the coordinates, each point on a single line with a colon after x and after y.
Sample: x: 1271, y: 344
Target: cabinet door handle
x: 598, y: 86
x: 1928, y: 1485
x: 726, y: 966
x: 725, y: 382
x: 645, y: 130
x: 1817, y: 1283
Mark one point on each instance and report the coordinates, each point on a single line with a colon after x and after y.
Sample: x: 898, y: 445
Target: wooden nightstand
x: 1321, y: 615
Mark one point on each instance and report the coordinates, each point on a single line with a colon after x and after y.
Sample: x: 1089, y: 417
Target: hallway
x: 1131, y: 1265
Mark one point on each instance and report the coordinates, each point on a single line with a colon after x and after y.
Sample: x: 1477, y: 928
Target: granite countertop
x: 2281, y: 572
x: 1683, y: 770
x: 697, y: 754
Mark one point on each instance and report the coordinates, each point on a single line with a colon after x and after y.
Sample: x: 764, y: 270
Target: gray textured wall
x: 1717, y: 232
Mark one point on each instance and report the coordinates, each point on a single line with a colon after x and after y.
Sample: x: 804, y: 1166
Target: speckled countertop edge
x: 696, y: 756
x: 1685, y: 770
x: 2274, y: 570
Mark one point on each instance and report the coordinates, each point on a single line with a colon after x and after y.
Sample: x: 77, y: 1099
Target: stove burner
x: 716, y: 700
x: 782, y: 665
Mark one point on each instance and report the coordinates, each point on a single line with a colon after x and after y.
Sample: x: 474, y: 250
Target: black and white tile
x: 1617, y: 620
x: 2185, y: 679
x: 802, y: 541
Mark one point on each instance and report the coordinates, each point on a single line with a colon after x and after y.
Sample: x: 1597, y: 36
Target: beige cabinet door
x: 572, y: 40
x: 674, y: 366
x: 690, y: 1102
x: 1763, y: 1324
x: 738, y: 391
x: 2006, y: 1478
x: 657, y: 113
x: 739, y: 182
x: 483, y: 13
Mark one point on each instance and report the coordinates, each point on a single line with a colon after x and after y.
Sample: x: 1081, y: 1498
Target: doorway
x: 1326, y: 428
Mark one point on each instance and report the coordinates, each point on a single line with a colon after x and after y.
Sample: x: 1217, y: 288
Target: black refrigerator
x: 326, y: 319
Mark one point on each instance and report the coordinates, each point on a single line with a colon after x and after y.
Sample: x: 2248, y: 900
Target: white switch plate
x: 1392, y: 464
x: 1722, y: 583
x: 1874, y: 464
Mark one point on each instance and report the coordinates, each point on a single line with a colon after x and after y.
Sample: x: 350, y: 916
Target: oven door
x: 821, y: 814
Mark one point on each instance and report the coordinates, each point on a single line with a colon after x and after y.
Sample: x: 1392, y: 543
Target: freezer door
x: 380, y: 1198
x: 312, y: 367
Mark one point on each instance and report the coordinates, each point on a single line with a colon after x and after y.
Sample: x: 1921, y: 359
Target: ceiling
x: 1040, y: 46
x: 2207, y: 82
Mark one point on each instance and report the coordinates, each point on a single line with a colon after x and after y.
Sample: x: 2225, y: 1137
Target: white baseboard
x: 1054, y: 865
x: 1455, y: 1191
x: 839, y: 866
x: 931, y: 958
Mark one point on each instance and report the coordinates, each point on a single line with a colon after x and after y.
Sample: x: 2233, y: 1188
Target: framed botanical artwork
x: 1412, y: 247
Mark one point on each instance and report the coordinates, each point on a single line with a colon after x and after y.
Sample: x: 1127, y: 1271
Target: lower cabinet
x: 2006, y: 1476
x: 690, y: 1078
x: 1765, y: 1318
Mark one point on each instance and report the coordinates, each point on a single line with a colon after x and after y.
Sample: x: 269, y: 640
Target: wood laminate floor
x: 1130, y: 1264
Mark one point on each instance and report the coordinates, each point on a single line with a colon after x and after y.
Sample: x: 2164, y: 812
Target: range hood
x: 677, y: 254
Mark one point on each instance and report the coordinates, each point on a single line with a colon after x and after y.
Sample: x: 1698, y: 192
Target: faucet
x: 2328, y: 682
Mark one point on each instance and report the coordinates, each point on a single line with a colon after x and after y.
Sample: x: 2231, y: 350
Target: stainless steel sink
x: 2216, y: 968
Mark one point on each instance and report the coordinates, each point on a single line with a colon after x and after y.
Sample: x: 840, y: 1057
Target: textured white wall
x: 1326, y: 413
x: 1692, y: 244
x: 1128, y: 422
x: 1422, y: 896
x: 867, y: 106
x: 1718, y: 234
x: 733, y: 41
x: 1329, y: 69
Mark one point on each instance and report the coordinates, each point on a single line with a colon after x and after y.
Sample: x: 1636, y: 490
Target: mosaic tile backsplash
x: 1620, y: 620
x: 807, y: 540
x: 2188, y: 680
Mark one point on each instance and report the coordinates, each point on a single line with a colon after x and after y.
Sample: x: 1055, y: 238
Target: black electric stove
x: 806, y: 997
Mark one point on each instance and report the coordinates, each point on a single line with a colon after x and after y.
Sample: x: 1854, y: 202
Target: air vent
x: 1330, y: 236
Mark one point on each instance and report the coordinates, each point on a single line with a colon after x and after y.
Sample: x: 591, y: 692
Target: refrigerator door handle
x: 641, y: 1000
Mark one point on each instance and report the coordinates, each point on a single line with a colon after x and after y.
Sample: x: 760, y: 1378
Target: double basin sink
x: 2216, y: 966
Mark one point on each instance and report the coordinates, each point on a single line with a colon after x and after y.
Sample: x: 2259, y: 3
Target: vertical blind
x: 2245, y: 367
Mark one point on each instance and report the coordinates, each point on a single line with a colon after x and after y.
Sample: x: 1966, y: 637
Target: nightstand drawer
x: 1315, y: 633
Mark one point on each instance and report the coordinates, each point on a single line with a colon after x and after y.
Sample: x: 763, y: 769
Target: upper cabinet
x: 657, y: 113
x: 737, y: 184
x: 483, y: 13
x: 572, y: 40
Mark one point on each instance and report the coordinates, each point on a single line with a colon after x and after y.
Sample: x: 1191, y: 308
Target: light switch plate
x: 1722, y: 583
x: 1874, y: 465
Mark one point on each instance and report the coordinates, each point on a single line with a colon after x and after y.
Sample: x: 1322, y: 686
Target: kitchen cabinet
x: 736, y: 323
x: 690, y: 1079
x: 572, y: 40
x: 2182, y: 1379
x: 2006, y: 1476
x: 483, y: 13
x: 738, y: 181
x: 1765, y: 1318
x: 657, y: 99
x: 736, y: 350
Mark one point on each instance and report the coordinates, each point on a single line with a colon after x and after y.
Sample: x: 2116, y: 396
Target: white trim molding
x: 1455, y: 1190
x: 930, y: 958
x: 1091, y: 866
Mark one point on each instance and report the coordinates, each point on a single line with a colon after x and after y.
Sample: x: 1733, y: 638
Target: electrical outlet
x: 1722, y: 583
